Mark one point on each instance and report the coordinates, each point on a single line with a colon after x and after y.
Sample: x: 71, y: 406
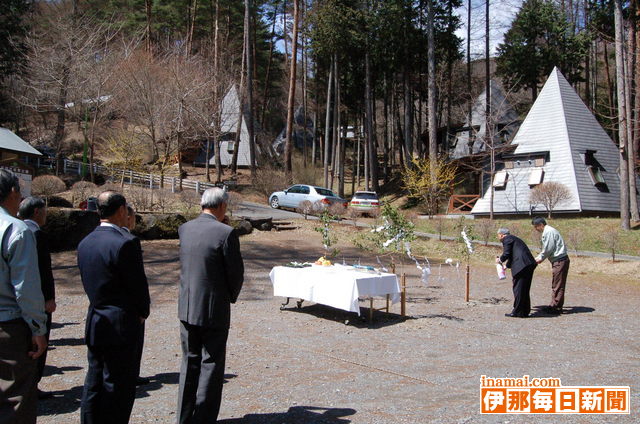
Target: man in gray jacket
x: 211, y: 276
x: 23, y: 322
x: 553, y: 248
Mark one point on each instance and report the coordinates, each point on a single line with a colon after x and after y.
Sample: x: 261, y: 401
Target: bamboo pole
x: 403, y: 296
x: 466, y: 288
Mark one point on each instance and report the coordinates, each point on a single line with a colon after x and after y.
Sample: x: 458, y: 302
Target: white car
x: 296, y: 194
x: 365, y: 202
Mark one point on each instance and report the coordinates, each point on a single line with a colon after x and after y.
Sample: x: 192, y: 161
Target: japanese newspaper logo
x: 549, y: 396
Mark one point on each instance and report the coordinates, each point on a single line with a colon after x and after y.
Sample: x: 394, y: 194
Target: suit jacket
x: 516, y: 254
x: 211, y: 272
x: 113, y: 277
x: 44, y: 265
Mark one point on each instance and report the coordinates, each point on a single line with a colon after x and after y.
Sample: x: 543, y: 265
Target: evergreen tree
x: 540, y: 38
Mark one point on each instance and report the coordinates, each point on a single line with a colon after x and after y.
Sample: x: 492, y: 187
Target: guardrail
x: 152, y: 181
x: 462, y: 203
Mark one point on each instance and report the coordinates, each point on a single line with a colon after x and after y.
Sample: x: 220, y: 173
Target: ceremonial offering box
x: 339, y: 286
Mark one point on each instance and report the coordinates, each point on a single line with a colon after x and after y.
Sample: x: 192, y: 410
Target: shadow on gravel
x: 539, y: 311
x: 445, y: 316
x: 156, y: 382
x: 61, y: 402
x: 67, y: 341
x: 52, y: 370
x: 297, y: 415
x: 380, y: 319
x: 55, y: 325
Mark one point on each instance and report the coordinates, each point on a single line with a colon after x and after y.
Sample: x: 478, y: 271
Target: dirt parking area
x: 317, y: 364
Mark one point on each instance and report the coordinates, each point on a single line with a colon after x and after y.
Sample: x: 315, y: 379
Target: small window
x: 508, y: 164
x: 596, y: 175
x: 539, y: 162
x: 500, y: 179
x: 535, y: 176
x: 230, y: 146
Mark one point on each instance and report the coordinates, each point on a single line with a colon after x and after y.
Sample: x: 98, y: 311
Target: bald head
x: 110, y: 205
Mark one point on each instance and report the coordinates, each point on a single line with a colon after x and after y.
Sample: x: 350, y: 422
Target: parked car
x: 365, y: 202
x: 296, y: 194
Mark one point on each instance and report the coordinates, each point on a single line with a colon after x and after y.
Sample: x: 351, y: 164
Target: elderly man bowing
x: 211, y: 276
x: 518, y: 257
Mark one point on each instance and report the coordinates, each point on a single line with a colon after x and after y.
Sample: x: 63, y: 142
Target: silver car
x: 296, y: 194
x: 365, y: 202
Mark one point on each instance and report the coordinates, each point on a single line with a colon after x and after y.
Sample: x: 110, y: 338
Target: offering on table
x: 323, y: 261
x: 294, y: 264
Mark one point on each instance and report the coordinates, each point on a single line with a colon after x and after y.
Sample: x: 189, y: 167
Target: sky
x: 501, y: 14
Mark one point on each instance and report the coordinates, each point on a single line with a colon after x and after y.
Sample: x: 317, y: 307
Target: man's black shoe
x: 515, y: 316
x: 142, y: 381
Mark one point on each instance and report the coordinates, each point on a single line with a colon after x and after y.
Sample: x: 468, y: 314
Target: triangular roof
x: 561, y: 128
x: 10, y: 141
x: 503, y: 115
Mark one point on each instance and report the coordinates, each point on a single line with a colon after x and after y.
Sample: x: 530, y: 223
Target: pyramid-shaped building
x: 560, y: 140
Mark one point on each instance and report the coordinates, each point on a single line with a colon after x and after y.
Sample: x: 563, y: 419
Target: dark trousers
x: 560, y: 270
x: 42, y: 360
x: 18, y: 374
x: 139, y: 349
x: 201, y: 373
x: 110, y: 384
x: 521, y: 288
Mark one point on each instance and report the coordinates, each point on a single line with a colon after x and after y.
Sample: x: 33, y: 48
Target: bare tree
x: 622, y: 117
x: 550, y: 195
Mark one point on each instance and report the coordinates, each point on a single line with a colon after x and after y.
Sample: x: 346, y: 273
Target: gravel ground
x: 322, y: 365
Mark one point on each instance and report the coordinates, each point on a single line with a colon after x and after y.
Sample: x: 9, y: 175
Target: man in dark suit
x: 131, y: 225
x: 33, y: 211
x: 211, y: 276
x: 518, y: 257
x: 113, y: 277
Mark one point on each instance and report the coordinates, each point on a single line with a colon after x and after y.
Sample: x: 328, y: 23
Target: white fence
x: 140, y: 179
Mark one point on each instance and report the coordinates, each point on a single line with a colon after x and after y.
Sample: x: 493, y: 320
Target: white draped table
x: 338, y: 286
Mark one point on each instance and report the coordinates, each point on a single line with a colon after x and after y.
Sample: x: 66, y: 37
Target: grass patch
x: 589, y: 234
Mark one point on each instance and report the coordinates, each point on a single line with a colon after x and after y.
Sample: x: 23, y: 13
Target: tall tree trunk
x: 216, y: 96
x: 610, y: 91
x: 267, y: 76
x: 327, y: 126
x: 288, y: 146
x: 631, y: 56
x: 470, y: 106
x: 148, y: 46
x: 335, y: 156
x: 488, y: 129
x: 372, y: 160
x: 304, y: 101
x: 636, y: 73
x: 192, y: 24
x: 431, y: 88
x: 622, y: 117
x: 250, y: 129
x: 408, y: 120
x: 241, y: 100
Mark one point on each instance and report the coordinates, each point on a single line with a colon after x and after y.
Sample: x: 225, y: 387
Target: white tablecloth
x: 337, y: 286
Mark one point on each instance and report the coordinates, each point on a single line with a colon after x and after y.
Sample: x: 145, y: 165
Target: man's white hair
x: 212, y: 198
x: 504, y: 231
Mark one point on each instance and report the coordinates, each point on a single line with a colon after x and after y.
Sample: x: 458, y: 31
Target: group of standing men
x: 113, y: 276
x: 517, y: 256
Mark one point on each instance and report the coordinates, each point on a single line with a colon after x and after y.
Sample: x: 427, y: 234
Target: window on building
x: 500, y: 179
x: 595, y: 170
x: 539, y: 162
x: 230, y: 146
x: 535, y: 176
x: 508, y: 164
x: 228, y: 139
